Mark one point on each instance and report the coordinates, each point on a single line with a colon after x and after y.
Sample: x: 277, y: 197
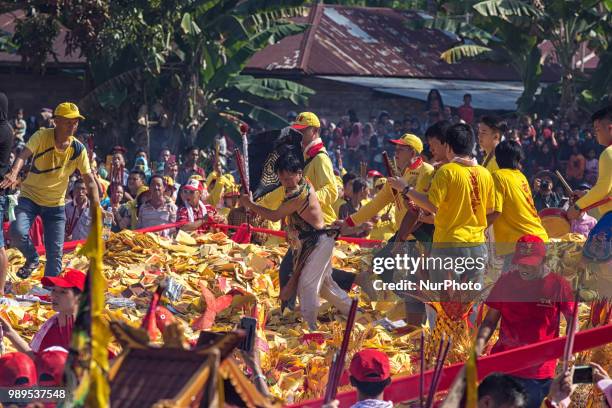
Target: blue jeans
x: 535, y: 390
x: 3, y: 209
x: 54, y: 225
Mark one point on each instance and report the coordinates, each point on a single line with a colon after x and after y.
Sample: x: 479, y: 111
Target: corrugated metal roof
x: 359, y: 41
x: 499, y: 95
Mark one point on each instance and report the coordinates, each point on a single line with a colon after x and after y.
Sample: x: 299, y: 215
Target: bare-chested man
x: 311, y: 242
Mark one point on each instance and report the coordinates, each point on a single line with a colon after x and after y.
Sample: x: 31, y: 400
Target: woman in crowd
x: 434, y: 102
x: 57, y: 331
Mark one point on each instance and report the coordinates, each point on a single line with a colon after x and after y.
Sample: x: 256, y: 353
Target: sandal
x: 26, y: 270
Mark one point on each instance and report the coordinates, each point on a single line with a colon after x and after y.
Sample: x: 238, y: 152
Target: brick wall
x: 334, y: 99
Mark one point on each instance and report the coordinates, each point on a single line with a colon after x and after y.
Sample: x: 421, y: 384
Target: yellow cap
x: 196, y: 177
x: 141, y: 189
x: 169, y: 181
x: 380, y: 182
x: 226, y: 180
x: 306, y: 119
x: 233, y: 191
x: 67, y: 110
x: 410, y: 140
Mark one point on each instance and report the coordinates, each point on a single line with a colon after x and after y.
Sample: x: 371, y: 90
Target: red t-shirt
x: 466, y: 113
x: 533, y: 317
x: 200, y: 213
x: 57, y: 336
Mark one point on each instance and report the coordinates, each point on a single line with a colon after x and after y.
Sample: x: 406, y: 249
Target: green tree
x: 497, y: 30
x: 511, y: 30
x: 186, y: 54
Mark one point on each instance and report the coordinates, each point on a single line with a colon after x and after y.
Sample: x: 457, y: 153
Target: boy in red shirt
x: 465, y: 111
x: 528, y: 300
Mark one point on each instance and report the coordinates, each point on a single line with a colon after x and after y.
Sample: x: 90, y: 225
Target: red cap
x: 370, y: 365
x: 50, y: 366
x: 193, y: 185
x: 17, y: 369
x: 374, y: 173
x: 530, y: 250
x: 119, y: 149
x: 70, y: 278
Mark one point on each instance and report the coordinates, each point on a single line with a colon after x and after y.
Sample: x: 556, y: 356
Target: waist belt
x: 335, y: 232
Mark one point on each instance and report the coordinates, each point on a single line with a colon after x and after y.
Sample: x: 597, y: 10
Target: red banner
x: 407, y: 388
x: 71, y: 245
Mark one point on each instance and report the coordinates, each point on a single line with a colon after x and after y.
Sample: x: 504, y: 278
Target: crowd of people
x: 437, y: 194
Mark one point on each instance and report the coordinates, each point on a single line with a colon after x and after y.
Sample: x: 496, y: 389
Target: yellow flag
x: 471, y: 380
x: 99, y: 389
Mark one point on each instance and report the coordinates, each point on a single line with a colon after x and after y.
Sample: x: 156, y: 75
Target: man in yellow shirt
x: 384, y: 221
x: 490, y: 132
x: 515, y: 214
x: 416, y: 173
x: 601, y: 233
x: 56, y: 154
x: 461, y: 195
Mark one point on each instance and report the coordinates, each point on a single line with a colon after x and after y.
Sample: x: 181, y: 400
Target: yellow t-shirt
x: 603, y: 186
x: 51, y: 169
x: 463, y: 195
x: 518, y: 216
x: 104, y: 184
x: 384, y: 230
x: 491, y: 164
x: 419, y: 177
x: 337, y: 205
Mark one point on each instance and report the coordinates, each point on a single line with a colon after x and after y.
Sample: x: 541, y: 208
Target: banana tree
x: 499, y: 31
x: 567, y: 25
x: 190, y: 55
x: 515, y: 28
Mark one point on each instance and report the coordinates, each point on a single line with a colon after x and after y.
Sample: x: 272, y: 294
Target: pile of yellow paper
x: 229, y: 281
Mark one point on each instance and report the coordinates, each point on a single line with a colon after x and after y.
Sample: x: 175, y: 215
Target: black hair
x: 460, y: 138
x: 429, y: 96
x: 189, y: 149
x: 605, y: 113
x: 495, y: 123
x: 370, y: 389
x: 140, y: 173
x: 503, y: 389
x: 78, y: 181
x: 359, y: 185
x: 157, y: 176
x: 509, y: 154
x: 288, y: 162
x: 467, y: 94
x: 76, y: 291
x: 438, y: 131
x: 348, y: 177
